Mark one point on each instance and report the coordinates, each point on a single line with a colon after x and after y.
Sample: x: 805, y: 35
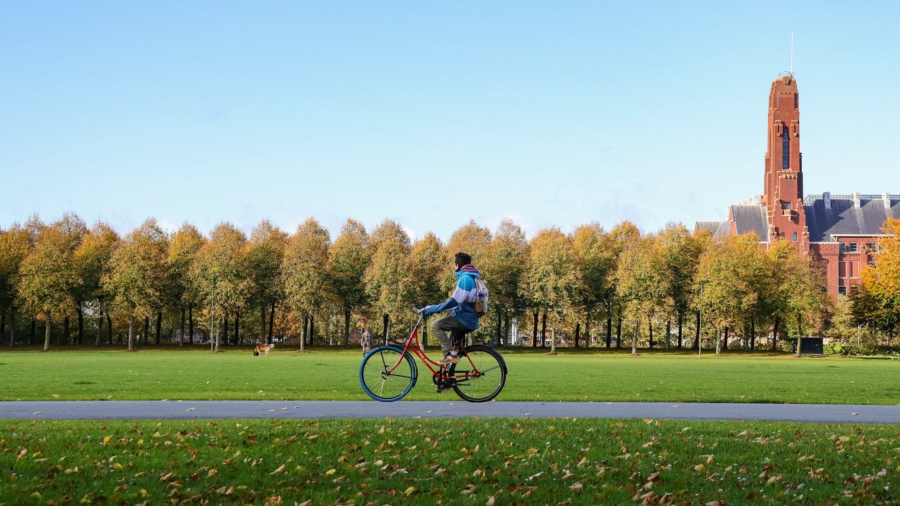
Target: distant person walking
x: 366, y: 340
x: 119, y: 338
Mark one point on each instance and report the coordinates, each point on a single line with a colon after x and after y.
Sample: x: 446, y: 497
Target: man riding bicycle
x: 462, y: 318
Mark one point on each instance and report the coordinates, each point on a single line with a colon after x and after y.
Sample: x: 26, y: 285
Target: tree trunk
x: 544, y: 330
x: 181, y: 337
x: 303, y: 327
x: 158, y: 325
x: 272, y: 322
x: 262, y: 323
x: 347, y: 327
x: 553, y: 340
x: 506, y: 326
x: 799, y: 334
x: 109, y: 329
x: 3, y: 323
x: 725, y: 344
x: 609, y: 330
x: 775, y: 333
x: 237, y: 329
x: 668, y: 332
x: 33, y: 335
x: 131, y: 333
x: 534, y: 339
x: 650, y: 326
x: 225, y: 328
x: 191, y: 323
x: 80, y: 325
x: 47, y: 335
x: 64, y: 338
x: 618, y: 333
x: 99, y: 330
x: 697, y: 339
x: 577, y: 333
x: 303, y: 333
x: 680, y: 326
x: 634, y: 339
x: 719, y: 341
x: 312, y: 329
x: 752, y: 333
x: 12, y: 326
x: 146, y: 336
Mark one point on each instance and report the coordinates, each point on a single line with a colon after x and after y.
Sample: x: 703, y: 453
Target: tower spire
x: 792, y: 54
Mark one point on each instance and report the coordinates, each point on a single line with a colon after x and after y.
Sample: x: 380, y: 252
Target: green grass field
x: 487, y: 461
x: 172, y: 373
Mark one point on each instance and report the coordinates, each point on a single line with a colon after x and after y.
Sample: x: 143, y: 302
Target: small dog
x: 263, y: 348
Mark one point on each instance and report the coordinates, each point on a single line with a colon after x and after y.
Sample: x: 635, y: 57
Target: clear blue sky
x: 432, y: 113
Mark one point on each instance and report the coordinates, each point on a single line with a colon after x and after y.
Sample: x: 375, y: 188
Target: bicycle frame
x: 416, y: 348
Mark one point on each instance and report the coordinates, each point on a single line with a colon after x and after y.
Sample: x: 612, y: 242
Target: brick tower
x: 783, y: 194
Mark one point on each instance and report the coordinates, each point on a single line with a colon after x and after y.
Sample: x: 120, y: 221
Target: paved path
x: 191, y: 410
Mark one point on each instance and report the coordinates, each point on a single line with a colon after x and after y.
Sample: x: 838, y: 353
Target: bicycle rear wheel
x: 480, y: 374
x: 379, y: 377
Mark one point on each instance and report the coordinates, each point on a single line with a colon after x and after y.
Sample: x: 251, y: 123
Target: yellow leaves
x: 117, y: 466
x: 280, y: 470
x: 307, y: 502
x: 410, y: 491
x: 332, y: 471
x: 567, y: 475
x: 491, y: 500
x: 106, y: 440
x: 225, y: 490
x: 23, y: 453
x: 71, y: 470
x: 212, y: 472
x: 700, y: 468
x: 313, y: 437
x: 582, y: 462
x: 165, y: 477
x: 576, y: 486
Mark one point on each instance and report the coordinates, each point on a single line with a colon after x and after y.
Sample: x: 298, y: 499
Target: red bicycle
x: 388, y: 372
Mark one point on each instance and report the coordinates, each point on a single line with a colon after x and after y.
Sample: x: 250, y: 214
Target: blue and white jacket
x: 463, y: 300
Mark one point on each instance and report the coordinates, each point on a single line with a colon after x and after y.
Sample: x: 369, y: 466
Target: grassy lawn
x: 452, y: 461
x: 172, y: 373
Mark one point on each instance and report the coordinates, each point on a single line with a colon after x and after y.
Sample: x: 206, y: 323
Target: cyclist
x: 462, y: 318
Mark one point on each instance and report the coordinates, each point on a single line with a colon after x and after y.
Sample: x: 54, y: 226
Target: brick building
x: 841, y: 231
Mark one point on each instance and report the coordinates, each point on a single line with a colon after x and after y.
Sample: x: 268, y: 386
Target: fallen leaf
x: 576, y: 486
x: 491, y: 500
x: 212, y: 472
x: 410, y: 491
x: 278, y: 471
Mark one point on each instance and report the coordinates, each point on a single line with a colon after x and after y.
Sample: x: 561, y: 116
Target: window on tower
x: 785, y: 149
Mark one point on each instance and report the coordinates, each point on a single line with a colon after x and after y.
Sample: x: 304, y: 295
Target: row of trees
x: 590, y: 282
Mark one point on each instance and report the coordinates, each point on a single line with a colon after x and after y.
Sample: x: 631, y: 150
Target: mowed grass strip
x: 486, y: 461
x: 332, y: 375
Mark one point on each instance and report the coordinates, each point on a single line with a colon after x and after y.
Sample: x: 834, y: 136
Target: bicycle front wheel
x: 386, y: 374
x: 480, y: 374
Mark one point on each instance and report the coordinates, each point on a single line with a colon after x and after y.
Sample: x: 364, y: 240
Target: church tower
x: 783, y: 197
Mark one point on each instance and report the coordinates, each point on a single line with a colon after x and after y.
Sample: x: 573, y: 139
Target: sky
x: 432, y: 113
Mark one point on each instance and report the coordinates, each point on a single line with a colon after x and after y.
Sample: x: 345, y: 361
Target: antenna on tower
x: 792, y: 54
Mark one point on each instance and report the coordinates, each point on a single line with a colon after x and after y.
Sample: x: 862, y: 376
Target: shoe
x: 449, y: 359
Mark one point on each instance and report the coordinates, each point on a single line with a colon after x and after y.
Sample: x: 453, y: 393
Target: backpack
x: 481, y: 297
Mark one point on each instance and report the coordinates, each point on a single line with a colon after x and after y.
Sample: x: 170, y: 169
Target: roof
x: 750, y: 219
x: 845, y: 219
x: 712, y: 226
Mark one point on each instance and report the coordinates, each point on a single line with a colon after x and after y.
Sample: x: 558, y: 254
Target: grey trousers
x: 445, y: 329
